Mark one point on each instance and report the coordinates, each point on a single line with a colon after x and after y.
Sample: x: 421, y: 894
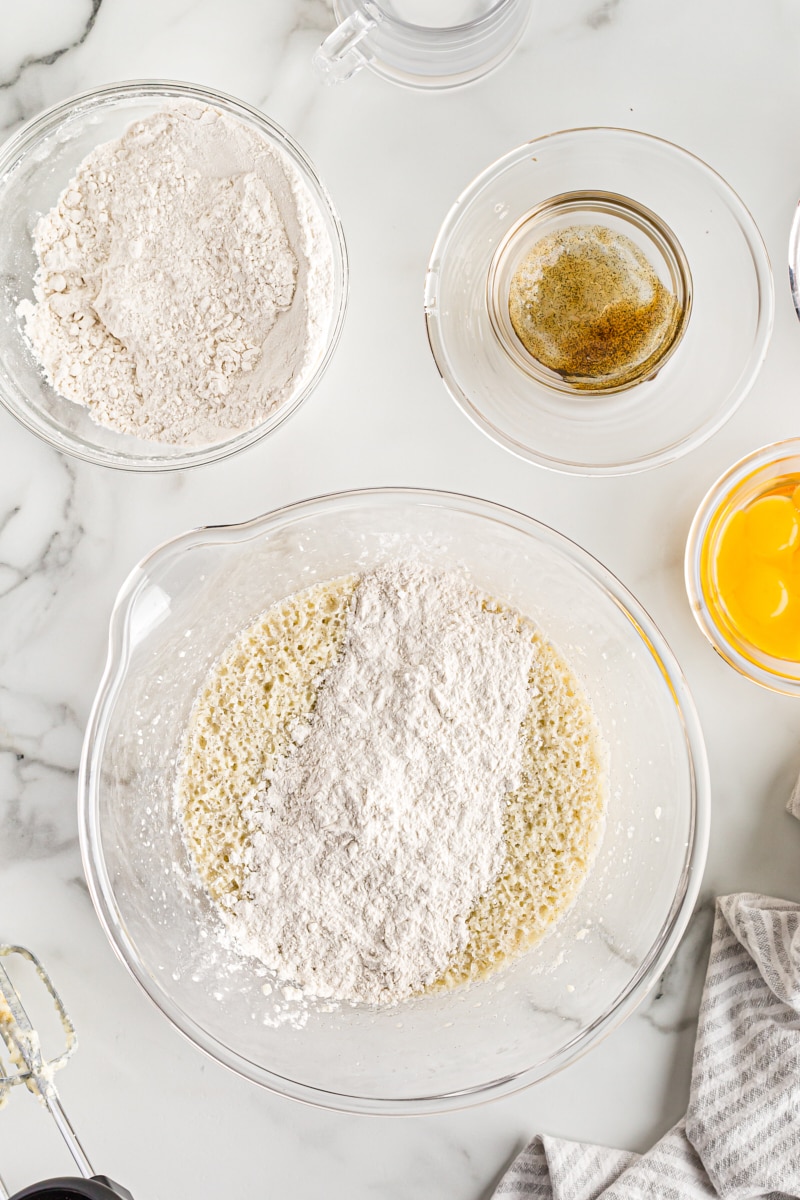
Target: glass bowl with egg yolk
x: 743, y: 566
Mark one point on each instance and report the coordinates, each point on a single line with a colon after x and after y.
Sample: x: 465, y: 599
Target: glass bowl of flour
x: 208, y: 604
x: 174, y: 276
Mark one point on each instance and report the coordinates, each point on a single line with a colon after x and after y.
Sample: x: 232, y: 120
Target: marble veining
x: 30, y: 541
x: 39, y: 536
x: 603, y: 14
x: 51, y: 56
x: 394, y: 161
x: 672, y: 1005
x: 39, y: 753
x: 618, y: 951
x: 17, y: 101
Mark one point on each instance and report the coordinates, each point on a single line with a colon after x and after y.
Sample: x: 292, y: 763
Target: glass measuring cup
x: 421, y: 43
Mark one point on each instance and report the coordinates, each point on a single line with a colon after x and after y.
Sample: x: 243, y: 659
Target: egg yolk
x: 757, y: 570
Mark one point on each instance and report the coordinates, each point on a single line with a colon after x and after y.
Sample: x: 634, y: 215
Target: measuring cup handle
x: 340, y: 55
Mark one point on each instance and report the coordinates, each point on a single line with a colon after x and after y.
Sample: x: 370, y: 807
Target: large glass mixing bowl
x: 177, y: 612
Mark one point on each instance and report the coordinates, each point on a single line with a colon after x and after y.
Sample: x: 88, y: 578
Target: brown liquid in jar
x: 586, y: 303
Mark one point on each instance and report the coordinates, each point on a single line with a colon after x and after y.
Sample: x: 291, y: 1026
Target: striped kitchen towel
x: 741, y: 1135
x: 794, y: 800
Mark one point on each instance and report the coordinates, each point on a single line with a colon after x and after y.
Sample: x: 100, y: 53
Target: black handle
x: 98, y: 1188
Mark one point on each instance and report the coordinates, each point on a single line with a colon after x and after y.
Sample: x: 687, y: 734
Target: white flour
x: 378, y: 833
x: 185, y: 280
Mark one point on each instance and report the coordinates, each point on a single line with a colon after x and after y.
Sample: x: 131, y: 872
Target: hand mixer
x: 29, y: 1066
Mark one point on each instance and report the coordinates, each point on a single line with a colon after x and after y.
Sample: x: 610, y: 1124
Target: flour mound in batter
x: 374, y: 837
x: 390, y: 784
x: 184, y: 282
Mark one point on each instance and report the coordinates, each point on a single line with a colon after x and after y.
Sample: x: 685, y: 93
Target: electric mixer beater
x: 29, y: 1066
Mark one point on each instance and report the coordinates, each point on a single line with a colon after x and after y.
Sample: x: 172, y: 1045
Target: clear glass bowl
x: 35, y: 165
x: 693, y: 390
x: 176, y: 613
x: 751, y: 477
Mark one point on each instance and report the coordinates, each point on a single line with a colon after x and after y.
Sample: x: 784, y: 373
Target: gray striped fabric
x: 794, y: 800
x: 741, y: 1134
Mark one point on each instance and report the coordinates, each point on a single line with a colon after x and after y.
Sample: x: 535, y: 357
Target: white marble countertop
x: 718, y: 77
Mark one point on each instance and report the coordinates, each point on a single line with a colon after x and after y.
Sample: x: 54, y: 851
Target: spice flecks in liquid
x: 586, y: 303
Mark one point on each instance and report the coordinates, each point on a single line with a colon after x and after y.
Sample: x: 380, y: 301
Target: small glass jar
x: 620, y: 217
x: 772, y: 469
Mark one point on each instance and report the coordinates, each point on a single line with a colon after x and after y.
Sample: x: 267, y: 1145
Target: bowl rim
x: 101, y: 890
x: 23, y: 140
x: 765, y: 456
x: 672, y: 451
